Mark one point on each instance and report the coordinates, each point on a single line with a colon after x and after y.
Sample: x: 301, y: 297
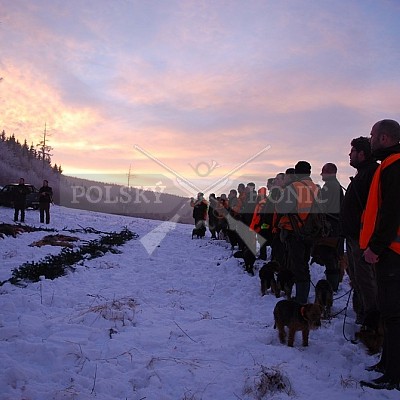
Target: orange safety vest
x: 255, y: 222
x: 370, y: 214
x: 275, y: 222
x: 306, y: 193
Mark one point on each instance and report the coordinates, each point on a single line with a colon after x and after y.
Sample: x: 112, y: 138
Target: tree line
x: 21, y: 160
x: 18, y: 160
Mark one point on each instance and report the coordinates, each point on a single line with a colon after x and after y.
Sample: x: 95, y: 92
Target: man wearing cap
x: 297, y: 199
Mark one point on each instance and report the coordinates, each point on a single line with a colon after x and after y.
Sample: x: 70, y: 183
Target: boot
x: 302, y: 291
x: 333, y: 277
x: 263, y: 252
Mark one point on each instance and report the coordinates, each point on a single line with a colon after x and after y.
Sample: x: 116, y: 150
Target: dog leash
x: 349, y: 291
x: 347, y: 304
x: 345, y: 314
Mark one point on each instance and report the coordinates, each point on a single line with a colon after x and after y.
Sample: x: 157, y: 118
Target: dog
x: 267, y: 278
x: 249, y: 259
x: 285, y: 282
x: 324, y: 297
x: 199, y: 232
x: 296, y: 317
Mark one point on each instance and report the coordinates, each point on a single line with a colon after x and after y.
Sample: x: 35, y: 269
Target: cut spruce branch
x: 54, y: 266
x: 15, y: 229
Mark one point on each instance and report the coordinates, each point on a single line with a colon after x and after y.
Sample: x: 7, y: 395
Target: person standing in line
x: 233, y: 216
x: 246, y: 216
x: 257, y: 222
x: 200, y: 208
x: 275, y: 188
x: 45, y: 198
x: 297, y: 198
x: 331, y: 248
x: 380, y: 240
x: 362, y: 274
x: 212, y: 219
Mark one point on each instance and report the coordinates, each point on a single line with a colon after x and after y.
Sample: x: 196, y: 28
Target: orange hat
x: 262, y: 191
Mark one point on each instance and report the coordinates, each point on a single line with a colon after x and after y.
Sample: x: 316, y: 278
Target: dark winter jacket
x: 331, y: 196
x: 199, y: 210
x: 45, y: 194
x: 248, y: 207
x: 213, y: 204
x: 19, y: 195
x: 355, y: 199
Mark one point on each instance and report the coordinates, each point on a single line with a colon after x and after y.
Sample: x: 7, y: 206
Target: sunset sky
x: 198, y: 88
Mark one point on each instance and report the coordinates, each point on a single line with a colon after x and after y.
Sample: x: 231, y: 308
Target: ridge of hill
x: 19, y: 160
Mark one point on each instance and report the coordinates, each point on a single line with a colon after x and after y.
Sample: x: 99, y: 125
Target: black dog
x: 324, y: 297
x: 249, y: 259
x: 199, y: 232
x: 285, y: 282
x: 267, y: 278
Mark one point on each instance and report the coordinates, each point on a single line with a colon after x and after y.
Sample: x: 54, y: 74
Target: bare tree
x: 44, y: 148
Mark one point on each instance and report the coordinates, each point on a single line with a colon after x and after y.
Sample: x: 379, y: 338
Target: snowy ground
x: 169, y: 318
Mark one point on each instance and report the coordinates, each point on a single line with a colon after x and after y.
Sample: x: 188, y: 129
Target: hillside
x: 19, y: 160
x: 164, y: 317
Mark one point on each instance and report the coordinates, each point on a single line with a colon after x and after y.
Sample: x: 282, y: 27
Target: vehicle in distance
x: 7, y: 196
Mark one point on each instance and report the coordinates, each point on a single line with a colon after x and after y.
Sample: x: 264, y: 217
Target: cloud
x: 194, y: 82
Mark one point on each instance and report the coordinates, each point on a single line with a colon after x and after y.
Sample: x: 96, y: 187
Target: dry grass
x: 348, y: 382
x: 117, y: 310
x: 267, y: 382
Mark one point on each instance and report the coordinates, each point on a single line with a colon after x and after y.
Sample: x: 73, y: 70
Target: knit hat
x: 302, y: 168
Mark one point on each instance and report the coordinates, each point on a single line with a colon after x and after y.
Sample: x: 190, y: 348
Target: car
x: 7, y: 194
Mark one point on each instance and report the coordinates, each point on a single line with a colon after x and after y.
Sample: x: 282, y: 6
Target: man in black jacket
x: 380, y: 237
x: 45, y: 198
x: 361, y: 273
x: 212, y: 219
x: 19, y: 200
x: 246, y: 238
x: 328, y: 250
x: 200, y: 207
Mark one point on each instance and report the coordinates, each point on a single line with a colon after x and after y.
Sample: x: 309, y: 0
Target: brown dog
x: 267, y: 278
x: 324, y: 297
x: 372, y: 339
x: 296, y: 317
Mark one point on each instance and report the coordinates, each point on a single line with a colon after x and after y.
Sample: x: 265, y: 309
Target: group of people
x: 45, y: 199
x: 364, y: 219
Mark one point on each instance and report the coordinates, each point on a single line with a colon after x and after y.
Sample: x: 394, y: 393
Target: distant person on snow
x: 200, y: 207
x: 19, y: 199
x: 45, y: 198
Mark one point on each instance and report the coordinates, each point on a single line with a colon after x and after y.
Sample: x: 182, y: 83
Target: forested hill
x: 22, y: 161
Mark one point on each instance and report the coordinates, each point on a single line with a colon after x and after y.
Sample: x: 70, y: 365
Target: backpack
x: 314, y: 228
